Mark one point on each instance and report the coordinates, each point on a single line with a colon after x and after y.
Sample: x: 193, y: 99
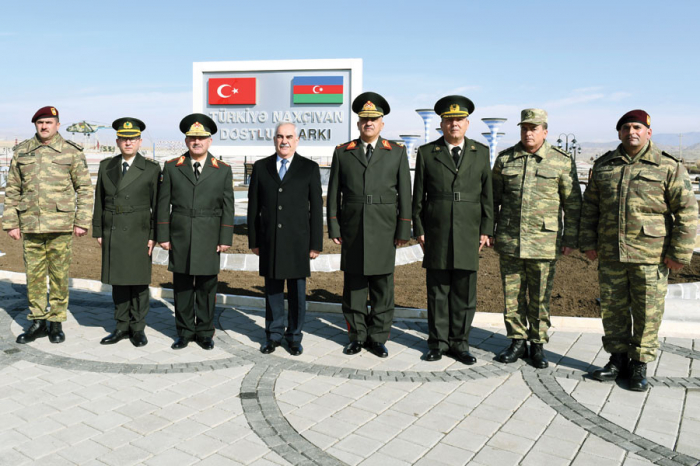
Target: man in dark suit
x: 453, y: 219
x: 197, y: 230
x: 124, y: 225
x: 369, y: 208
x: 285, y: 228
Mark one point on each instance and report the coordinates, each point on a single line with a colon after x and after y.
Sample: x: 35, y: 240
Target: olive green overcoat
x: 452, y: 207
x: 369, y: 205
x: 201, y: 216
x: 124, y: 217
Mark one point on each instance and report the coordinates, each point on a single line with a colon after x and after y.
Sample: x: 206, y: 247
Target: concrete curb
x: 681, y: 318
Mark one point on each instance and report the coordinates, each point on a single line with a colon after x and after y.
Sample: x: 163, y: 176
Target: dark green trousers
x: 195, y: 298
x: 131, y: 304
x: 451, y: 308
x: 364, y: 325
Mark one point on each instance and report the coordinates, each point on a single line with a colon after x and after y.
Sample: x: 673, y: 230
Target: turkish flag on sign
x: 232, y: 91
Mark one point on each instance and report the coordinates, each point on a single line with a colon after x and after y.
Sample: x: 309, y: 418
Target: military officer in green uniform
x: 48, y: 197
x: 639, y: 219
x: 197, y: 229
x: 124, y: 225
x: 533, y: 184
x: 453, y: 219
x: 368, y: 210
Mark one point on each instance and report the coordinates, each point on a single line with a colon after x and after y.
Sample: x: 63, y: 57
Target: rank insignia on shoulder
x: 214, y: 162
x: 351, y: 146
x: 180, y: 161
x: 386, y: 144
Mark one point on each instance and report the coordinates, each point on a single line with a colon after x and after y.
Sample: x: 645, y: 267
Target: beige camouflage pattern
x: 527, y: 287
x: 641, y: 289
x: 42, y: 184
x: 47, y: 253
x: 639, y: 211
x: 530, y: 192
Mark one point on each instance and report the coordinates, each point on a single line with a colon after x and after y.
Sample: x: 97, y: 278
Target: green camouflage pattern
x: 632, y: 298
x: 48, y: 188
x: 530, y: 193
x: 527, y: 287
x: 641, y: 210
x: 47, y: 253
x: 533, y: 116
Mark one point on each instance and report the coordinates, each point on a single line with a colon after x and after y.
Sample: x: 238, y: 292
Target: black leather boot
x: 638, y: 376
x: 618, y: 364
x: 537, y: 356
x: 56, y: 334
x: 37, y: 330
x: 517, y: 349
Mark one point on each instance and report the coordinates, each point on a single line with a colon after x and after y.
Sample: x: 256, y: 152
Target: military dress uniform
x: 636, y: 212
x: 124, y: 217
x: 48, y: 193
x: 452, y: 208
x: 201, y: 218
x: 368, y: 206
x: 530, y: 193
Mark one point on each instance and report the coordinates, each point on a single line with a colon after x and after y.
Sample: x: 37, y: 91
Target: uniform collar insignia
x: 352, y: 145
x: 180, y: 161
x: 386, y: 144
x: 214, y: 162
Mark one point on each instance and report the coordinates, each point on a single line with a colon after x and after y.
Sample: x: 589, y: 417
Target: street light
x: 427, y: 115
x: 573, y: 149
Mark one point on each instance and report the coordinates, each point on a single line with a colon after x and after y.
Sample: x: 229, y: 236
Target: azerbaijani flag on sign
x: 318, y: 89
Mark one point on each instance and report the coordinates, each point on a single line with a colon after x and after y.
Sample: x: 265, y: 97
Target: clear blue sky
x: 585, y: 62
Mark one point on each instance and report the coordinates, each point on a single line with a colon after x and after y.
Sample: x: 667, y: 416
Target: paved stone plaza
x: 83, y: 403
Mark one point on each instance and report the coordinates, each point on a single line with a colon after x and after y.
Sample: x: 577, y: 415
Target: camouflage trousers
x: 632, y: 299
x: 527, y: 287
x: 47, y: 253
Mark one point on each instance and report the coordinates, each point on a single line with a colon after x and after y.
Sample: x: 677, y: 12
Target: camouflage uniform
x: 635, y: 213
x: 529, y: 193
x: 40, y: 200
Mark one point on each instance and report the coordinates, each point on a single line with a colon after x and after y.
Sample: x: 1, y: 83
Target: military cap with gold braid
x: 198, y: 124
x: 370, y: 105
x: 128, y: 127
x: 454, y: 106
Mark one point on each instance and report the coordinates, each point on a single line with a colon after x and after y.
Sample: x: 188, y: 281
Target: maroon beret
x: 634, y: 116
x: 45, y: 112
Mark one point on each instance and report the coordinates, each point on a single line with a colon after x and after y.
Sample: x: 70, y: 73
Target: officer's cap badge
x: 53, y: 111
x: 369, y: 106
x: 128, y: 125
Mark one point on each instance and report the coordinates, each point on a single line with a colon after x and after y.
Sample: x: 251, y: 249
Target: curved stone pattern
x: 280, y: 407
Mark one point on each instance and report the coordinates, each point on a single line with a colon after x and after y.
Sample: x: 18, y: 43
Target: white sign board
x: 247, y: 99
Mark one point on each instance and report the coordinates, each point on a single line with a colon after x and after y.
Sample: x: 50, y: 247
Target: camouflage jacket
x: 42, y: 184
x: 639, y: 211
x: 530, y: 191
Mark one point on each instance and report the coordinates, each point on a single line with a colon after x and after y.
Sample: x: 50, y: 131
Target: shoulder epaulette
x: 26, y: 141
x: 107, y: 159
x: 670, y: 156
x: 177, y: 159
x: 510, y: 149
x: 604, y: 156
x: 220, y: 162
x: 479, y: 143
x: 561, y: 151
x: 148, y: 159
x: 74, y: 144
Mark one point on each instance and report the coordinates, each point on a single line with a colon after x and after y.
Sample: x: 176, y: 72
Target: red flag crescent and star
x: 232, y: 91
x: 318, y: 89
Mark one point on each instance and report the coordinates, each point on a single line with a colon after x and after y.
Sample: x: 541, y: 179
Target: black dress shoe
x: 618, y: 364
x: 138, y: 338
x: 295, y: 349
x: 433, y: 355
x: 353, y: 347
x: 465, y: 357
x: 36, y: 330
x: 181, y: 343
x: 638, y: 376
x: 206, y: 343
x: 517, y: 349
x: 378, y: 349
x: 537, y: 356
x: 56, y: 334
x: 114, y: 337
x: 269, y: 346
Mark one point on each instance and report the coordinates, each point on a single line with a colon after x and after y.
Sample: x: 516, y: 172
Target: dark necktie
x: 196, y: 170
x: 455, y: 155
x: 369, y: 152
x: 125, y: 167
x: 283, y: 168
